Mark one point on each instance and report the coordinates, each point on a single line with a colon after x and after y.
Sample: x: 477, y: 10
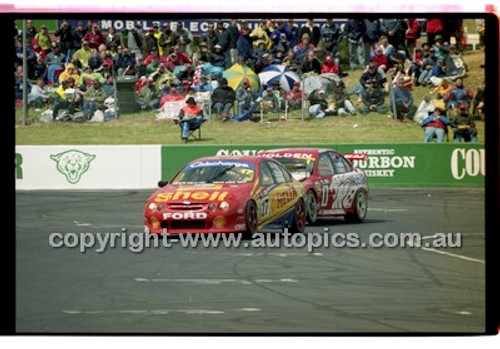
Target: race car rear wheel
x: 299, y: 218
x: 251, y: 219
x: 312, y: 207
x: 360, y: 208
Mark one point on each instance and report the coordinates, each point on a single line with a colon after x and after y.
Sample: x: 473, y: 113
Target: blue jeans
x: 315, y: 111
x: 356, y: 49
x: 242, y: 109
x: 190, y: 125
x: 51, y: 72
x: 89, y: 108
x: 458, y: 138
x: 425, y: 75
x: 430, y: 132
x: 380, y: 109
x: 223, y: 108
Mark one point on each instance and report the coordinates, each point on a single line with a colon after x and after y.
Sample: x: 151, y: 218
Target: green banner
x: 408, y: 164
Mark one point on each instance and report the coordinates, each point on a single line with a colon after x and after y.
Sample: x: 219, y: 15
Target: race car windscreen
x: 299, y: 168
x: 216, y: 171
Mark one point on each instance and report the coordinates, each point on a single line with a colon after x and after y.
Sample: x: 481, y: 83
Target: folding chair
x: 193, y: 134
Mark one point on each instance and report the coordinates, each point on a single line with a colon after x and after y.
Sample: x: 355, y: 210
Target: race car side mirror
x: 161, y: 184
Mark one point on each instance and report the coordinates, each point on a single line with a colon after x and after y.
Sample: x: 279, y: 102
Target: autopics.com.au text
x: 138, y: 242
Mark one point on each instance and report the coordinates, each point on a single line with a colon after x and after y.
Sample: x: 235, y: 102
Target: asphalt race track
x: 258, y: 290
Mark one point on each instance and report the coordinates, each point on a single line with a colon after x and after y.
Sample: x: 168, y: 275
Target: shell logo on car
x: 191, y: 195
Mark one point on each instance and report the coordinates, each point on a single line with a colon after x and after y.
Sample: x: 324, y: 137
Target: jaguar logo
x: 73, y: 164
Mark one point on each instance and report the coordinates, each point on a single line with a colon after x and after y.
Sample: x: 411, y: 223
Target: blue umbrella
x: 281, y: 73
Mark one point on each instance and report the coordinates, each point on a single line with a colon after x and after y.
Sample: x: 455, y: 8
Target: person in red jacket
x: 381, y: 60
x: 191, y: 117
x: 329, y: 66
x: 433, y: 27
x: 294, y: 96
x: 172, y: 96
x: 94, y: 37
x: 411, y: 35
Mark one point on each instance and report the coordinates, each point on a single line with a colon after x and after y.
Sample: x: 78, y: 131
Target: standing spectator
x: 78, y: 35
x: 459, y: 94
x: 453, y: 27
x: 94, y: 37
x: 246, y: 97
x: 66, y: 37
x: 260, y: 34
x: 311, y: 64
x: 371, y: 36
x: 293, y: 39
x: 183, y: 37
x: 387, y: 49
x: 93, y: 99
x: 244, y: 44
x: 394, y: 29
x: 433, y: 27
x: 30, y: 30
x: 224, y: 41
x: 294, y: 96
x: 112, y: 38
x: 411, y: 35
x: 463, y: 126
x: 312, y: 30
x: 191, y: 117
x: 373, y: 98
x: 277, y: 35
x: 168, y: 38
x: 354, y: 31
x: 402, y: 99
x: 331, y: 30
x: 223, y: 100
x: 135, y: 40
x: 43, y: 38
x: 209, y: 37
x: 234, y: 30
x: 435, y: 125
x: 150, y: 42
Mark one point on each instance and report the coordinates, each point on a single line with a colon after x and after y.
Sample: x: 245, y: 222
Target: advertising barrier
x: 87, y: 167
x: 445, y: 164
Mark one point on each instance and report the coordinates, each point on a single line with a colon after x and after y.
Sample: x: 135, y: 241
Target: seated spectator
x: 387, y: 49
x: 177, y: 58
x: 95, y: 61
x: 172, y: 96
x: 329, y: 66
x: 463, y: 126
x: 279, y: 54
x: 54, y: 61
x: 148, y: 96
x: 43, y: 38
x: 455, y: 66
x: 373, y: 97
x: 68, y: 97
x: 437, y: 73
x: 246, y: 97
x: 341, y: 99
x: 122, y: 60
x: 70, y: 71
x: 203, y: 54
x: 90, y: 74
x: 435, y: 125
x: 244, y: 44
x: 163, y: 78
x: 279, y: 93
x: 223, y: 100
x: 403, y: 102
x: 381, y: 60
x: 426, y: 71
x: 416, y: 65
x: 269, y: 101
x: 218, y: 58
x: 439, y: 93
x: 83, y: 55
x: 187, y: 73
x: 191, y: 117
x: 184, y: 88
x: 441, y: 49
x: 300, y: 50
x: 318, y: 106
x: 294, y: 96
x: 478, y: 104
x: 203, y: 85
x: 366, y: 79
x: 310, y: 63
x: 38, y: 96
x: 459, y: 94
x: 260, y: 34
x: 94, y: 37
x: 425, y: 108
x: 93, y: 99
x: 154, y: 56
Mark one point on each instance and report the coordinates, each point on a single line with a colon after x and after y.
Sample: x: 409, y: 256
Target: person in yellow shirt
x: 43, y: 38
x: 83, y: 55
x: 261, y: 34
x: 70, y: 71
x: 438, y: 94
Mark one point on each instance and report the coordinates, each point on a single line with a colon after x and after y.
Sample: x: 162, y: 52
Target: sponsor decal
x: 73, y: 164
x: 18, y: 163
x: 286, y: 155
x: 382, y: 162
x: 194, y: 195
x: 221, y: 163
x: 185, y: 215
x: 238, y: 152
x: 355, y: 156
x: 283, y: 198
x: 467, y: 162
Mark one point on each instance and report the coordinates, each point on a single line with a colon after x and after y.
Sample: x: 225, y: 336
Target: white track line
x: 452, y: 255
x: 218, y: 281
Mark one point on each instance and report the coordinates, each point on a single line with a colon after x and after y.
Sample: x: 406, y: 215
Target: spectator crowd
x: 75, y: 69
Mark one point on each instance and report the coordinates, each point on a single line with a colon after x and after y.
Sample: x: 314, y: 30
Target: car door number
x: 324, y: 196
x: 264, y: 207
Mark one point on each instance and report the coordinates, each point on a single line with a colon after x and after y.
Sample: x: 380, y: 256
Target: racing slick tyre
x: 299, y: 218
x: 250, y: 219
x: 361, y: 207
x: 312, y: 207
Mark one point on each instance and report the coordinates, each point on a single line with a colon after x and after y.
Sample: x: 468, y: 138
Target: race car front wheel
x: 250, y: 219
x: 360, y: 208
x: 299, y: 218
x: 312, y: 207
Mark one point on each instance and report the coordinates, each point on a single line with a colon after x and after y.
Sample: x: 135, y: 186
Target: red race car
x: 333, y: 186
x: 227, y: 194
